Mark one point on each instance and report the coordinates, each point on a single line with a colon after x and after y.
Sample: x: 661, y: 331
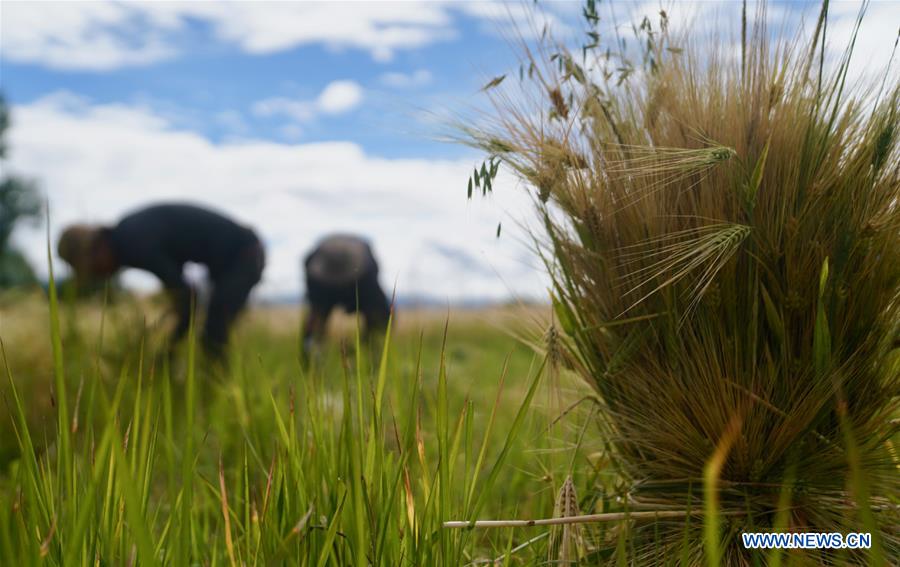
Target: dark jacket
x: 162, y: 238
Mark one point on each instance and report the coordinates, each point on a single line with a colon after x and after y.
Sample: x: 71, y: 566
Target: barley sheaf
x: 725, y: 256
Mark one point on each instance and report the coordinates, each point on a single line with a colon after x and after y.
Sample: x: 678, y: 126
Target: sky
x: 305, y: 118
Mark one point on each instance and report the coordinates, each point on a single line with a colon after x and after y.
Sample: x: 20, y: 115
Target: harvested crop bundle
x: 723, y: 232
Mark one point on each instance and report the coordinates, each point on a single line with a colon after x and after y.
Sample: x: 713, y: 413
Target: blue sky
x: 300, y: 119
x: 210, y: 85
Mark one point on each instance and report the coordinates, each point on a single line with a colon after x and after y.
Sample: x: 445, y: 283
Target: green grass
x: 357, y: 460
x: 723, y: 239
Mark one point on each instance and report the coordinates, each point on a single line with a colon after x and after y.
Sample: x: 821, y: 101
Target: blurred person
x: 161, y: 239
x: 341, y: 271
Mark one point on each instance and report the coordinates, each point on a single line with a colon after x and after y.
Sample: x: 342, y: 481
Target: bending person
x: 342, y: 272
x: 160, y: 239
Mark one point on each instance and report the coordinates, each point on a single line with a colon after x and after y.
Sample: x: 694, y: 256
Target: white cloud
x: 789, y: 21
x: 297, y: 110
x: 515, y: 19
x: 419, y: 78
x: 102, y: 35
x: 94, y: 36
x: 429, y: 238
x: 339, y: 97
x: 105, y: 35
x: 874, y: 42
x: 378, y: 27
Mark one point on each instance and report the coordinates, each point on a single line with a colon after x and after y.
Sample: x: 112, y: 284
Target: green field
x: 114, y: 456
x: 721, y: 226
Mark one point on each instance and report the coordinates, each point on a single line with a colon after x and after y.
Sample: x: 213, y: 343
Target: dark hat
x: 340, y: 259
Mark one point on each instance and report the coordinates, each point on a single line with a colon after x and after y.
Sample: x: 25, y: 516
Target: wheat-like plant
x: 723, y: 232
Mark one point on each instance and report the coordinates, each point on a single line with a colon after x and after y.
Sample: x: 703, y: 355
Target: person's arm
x: 171, y: 274
x: 373, y: 303
x: 314, y: 328
x: 313, y: 331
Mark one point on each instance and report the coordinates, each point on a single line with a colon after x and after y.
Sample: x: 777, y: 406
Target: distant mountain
x: 412, y: 301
